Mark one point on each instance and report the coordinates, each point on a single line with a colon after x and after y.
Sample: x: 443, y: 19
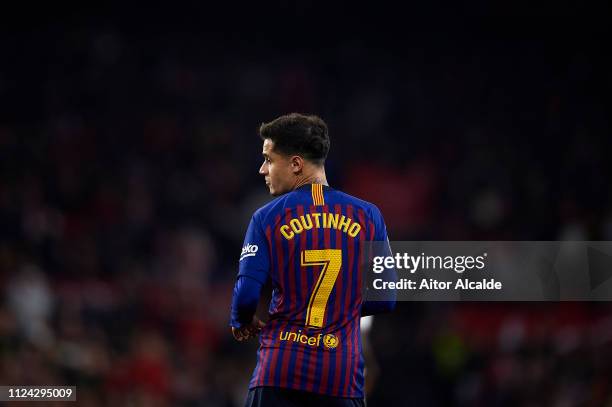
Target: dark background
x: 128, y: 173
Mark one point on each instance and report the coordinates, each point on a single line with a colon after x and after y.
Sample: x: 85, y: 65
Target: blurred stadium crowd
x: 128, y: 164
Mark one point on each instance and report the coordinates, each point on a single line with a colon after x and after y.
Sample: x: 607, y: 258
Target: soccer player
x: 310, y: 242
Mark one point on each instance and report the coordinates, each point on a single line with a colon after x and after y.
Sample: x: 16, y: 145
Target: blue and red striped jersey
x: 310, y: 243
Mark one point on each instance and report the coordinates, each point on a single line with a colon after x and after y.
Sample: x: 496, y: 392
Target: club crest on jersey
x: 330, y: 341
x: 248, y: 250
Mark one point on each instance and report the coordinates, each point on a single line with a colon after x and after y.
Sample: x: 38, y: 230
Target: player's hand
x: 249, y: 330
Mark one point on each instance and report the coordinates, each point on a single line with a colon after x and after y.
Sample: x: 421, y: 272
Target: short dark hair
x: 298, y: 134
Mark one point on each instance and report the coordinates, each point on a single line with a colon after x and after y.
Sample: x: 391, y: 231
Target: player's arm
x: 244, y: 323
x: 387, y: 303
x: 253, y: 273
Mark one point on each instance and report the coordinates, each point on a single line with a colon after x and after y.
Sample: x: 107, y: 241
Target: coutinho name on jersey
x: 320, y: 220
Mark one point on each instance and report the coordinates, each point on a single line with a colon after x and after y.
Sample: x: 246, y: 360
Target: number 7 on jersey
x: 331, y: 260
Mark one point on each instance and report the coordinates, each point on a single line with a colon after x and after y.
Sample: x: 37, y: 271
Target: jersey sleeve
x: 380, y: 229
x: 244, y: 301
x: 384, y: 301
x: 380, y: 234
x: 254, y: 258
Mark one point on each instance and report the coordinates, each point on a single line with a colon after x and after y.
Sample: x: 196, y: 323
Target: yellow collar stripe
x: 322, y: 196
x: 314, y: 194
x: 317, y: 195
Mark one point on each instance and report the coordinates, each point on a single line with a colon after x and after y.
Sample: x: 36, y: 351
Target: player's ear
x: 297, y: 164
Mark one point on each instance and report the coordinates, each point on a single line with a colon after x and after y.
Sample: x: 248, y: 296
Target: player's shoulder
x: 278, y: 205
x: 271, y: 208
x: 369, y: 207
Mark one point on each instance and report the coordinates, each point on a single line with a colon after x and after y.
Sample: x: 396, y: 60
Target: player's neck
x: 317, y: 177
